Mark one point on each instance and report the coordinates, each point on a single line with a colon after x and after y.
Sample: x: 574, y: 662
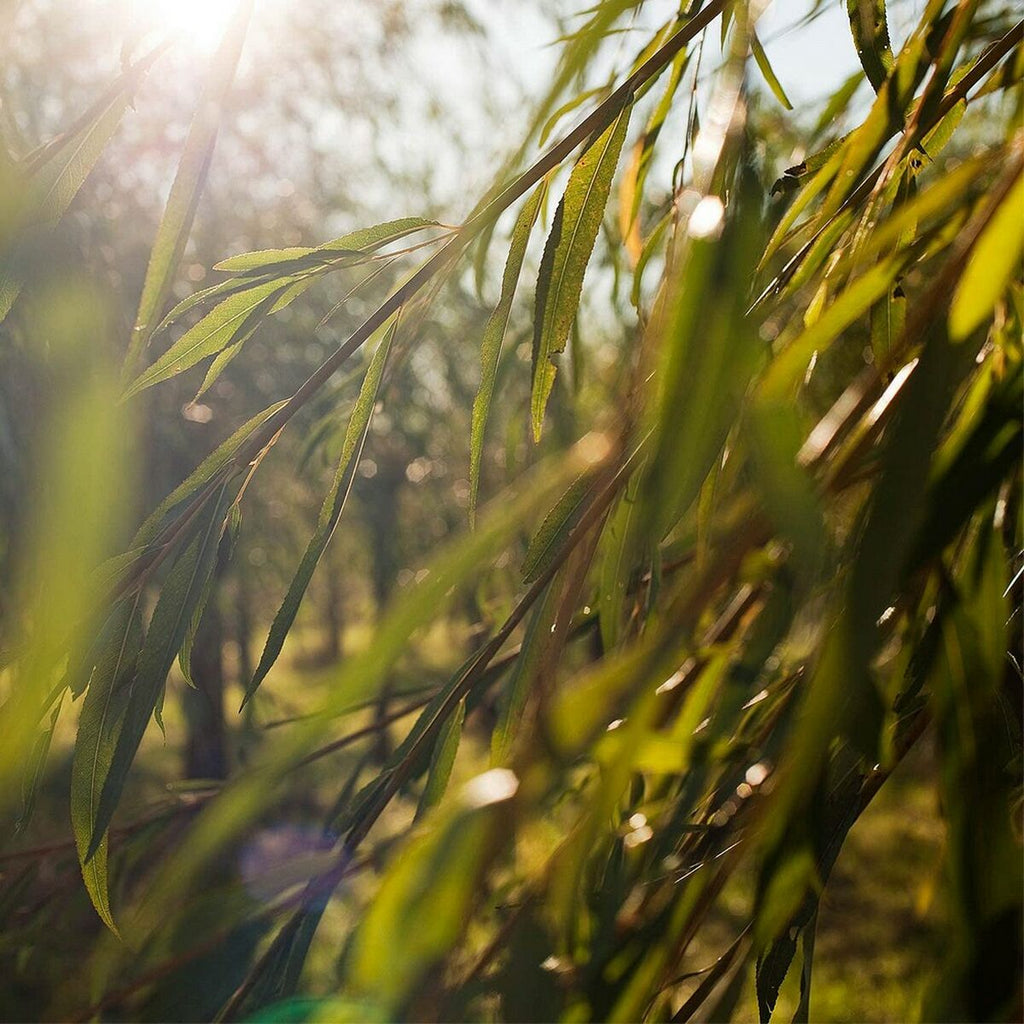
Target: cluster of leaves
x: 735, y: 621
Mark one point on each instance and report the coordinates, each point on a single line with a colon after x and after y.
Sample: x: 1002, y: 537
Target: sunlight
x: 197, y: 23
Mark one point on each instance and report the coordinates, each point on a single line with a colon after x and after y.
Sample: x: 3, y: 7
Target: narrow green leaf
x: 267, y: 261
x: 653, y: 130
x: 567, y: 108
x: 766, y: 69
x: 653, y: 245
x: 181, y: 592
x: 61, y: 167
x: 98, y: 729
x: 201, y: 475
x: 708, y: 356
x: 494, y: 334
x: 36, y: 766
x: 555, y: 527
x: 615, y: 567
x: 567, y: 253
x: 220, y: 290
x: 422, y: 906
x: 218, y: 329
x: 993, y: 262
x: 802, y: 1014
x: 234, y: 522
x: 819, y: 181
x: 220, y: 363
x: 838, y: 102
x: 189, y: 181
x: 940, y: 197
x: 538, y: 631
x: 888, y: 317
x: 851, y: 303
x: 353, y: 247
x: 871, y: 37
x: 62, y: 170
x: 330, y: 510
x: 443, y: 760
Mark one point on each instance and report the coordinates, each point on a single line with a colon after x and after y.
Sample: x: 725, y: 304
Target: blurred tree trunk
x: 206, y: 755
x: 243, y: 628
x: 334, y: 615
x: 382, y: 497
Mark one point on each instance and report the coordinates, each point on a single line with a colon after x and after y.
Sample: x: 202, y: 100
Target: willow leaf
x: 555, y: 527
x: 220, y: 363
x: 938, y: 198
x: 653, y: 245
x: 266, y: 261
x: 220, y: 290
x: 569, y: 247
x: 653, y: 130
x: 98, y: 729
x: 851, y: 303
x: 443, y: 760
x: 354, y: 246
x: 234, y: 522
x: 181, y: 593
x: 837, y: 104
x: 330, y: 511
x: 61, y: 168
x: 615, y: 567
x: 213, y: 464
x: 871, y: 37
x: 992, y: 264
x: 36, y: 766
x: 538, y: 630
x: 215, y: 332
x: 769, y: 74
x: 189, y: 181
x: 494, y: 334
x: 567, y: 108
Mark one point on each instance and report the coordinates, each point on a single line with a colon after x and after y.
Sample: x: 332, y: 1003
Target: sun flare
x: 197, y: 23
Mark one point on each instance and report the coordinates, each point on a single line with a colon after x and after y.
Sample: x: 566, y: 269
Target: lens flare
x: 199, y: 24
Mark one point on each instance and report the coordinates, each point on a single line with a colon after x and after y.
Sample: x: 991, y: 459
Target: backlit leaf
x: 216, y: 331
x: 871, y: 37
x: 994, y: 260
x: 330, y: 510
x: 349, y: 248
x: 98, y: 729
x: 181, y: 592
x: 443, y: 760
x: 766, y: 69
x: 567, y: 253
x: 494, y: 333
x: 189, y: 181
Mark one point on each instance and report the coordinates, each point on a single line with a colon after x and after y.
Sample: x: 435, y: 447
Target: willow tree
x: 771, y: 553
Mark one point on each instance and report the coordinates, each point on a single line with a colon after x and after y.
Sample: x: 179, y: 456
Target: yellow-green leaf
x: 189, y: 181
x: 330, y: 510
x: 494, y: 333
x: 993, y: 261
x: 567, y: 253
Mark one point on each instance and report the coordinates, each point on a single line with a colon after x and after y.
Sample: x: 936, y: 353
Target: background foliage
x: 632, y: 531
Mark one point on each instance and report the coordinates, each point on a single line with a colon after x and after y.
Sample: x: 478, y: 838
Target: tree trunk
x: 206, y: 755
x: 334, y: 615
